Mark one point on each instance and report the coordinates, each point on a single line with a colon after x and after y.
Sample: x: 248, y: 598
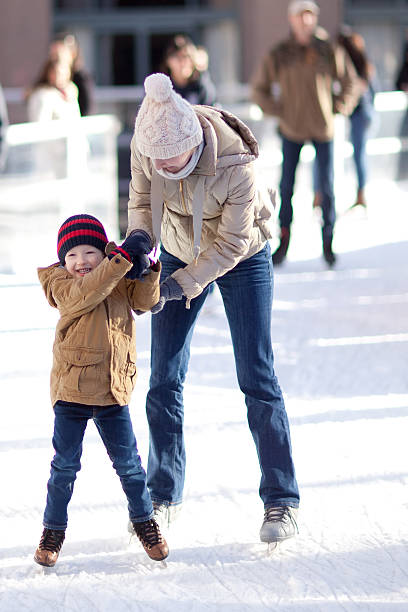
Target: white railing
x: 53, y: 170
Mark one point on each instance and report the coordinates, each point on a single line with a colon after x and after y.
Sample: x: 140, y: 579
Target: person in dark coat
x: 187, y: 68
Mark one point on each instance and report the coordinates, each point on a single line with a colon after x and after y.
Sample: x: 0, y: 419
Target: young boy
x: 94, y: 371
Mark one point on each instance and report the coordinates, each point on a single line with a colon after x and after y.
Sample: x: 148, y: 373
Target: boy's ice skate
x: 279, y: 524
x: 152, y: 540
x: 49, y: 547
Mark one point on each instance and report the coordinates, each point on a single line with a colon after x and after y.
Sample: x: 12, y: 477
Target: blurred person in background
x: 3, y: 127
x: 187, y: 67
x: 53, y: 95
x: 66, y: 47
x: 353, y: 44
x: 295, y: 82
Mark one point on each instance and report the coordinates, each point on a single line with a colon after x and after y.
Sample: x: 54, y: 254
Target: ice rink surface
x: 341, y: 355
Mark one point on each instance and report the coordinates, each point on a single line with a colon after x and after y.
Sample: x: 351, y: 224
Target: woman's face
x: 59, y: 75
x: 181, y: 65
x: 173, y: 164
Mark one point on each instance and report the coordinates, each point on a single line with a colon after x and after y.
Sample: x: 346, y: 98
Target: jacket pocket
x: 130, y: 373
x: 81, y: 368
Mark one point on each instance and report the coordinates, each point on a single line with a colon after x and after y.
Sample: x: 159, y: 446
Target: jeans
x: 359, y: 123
x: 115, y: 428
x: 247, y: 293
x: 324, y: 160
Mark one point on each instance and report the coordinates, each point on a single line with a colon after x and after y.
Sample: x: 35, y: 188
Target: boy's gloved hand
x: 135, y: 248
x: 169, y: 290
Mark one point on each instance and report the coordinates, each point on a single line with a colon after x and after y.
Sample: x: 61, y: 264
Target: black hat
x: 80, y: 229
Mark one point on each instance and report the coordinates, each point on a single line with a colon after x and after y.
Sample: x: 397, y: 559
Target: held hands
x: 135, y: 249
x: 169, y: 290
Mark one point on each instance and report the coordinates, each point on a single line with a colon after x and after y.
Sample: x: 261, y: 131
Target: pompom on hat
x: 166, y: 124
x: 80, y: 229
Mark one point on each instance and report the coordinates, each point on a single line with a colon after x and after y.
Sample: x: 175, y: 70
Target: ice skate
x: 280, y: 254
x: 49, y: 547
x: 152, y: 540
x: 328, y: 254
x: 279, y: 524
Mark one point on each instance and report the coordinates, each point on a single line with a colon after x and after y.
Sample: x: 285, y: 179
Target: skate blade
x: 272, y: 547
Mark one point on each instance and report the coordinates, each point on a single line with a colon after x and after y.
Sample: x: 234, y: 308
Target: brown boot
x: 49, y: 547
x: 152, y: 540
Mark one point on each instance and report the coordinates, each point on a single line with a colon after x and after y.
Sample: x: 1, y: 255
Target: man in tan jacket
x: 194, y: 190
x: 296, y: 82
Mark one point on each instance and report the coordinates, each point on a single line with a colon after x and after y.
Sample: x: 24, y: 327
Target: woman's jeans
x: 115, y: 428
x: 324, y: 164
x: 247, y: 295
x: 359, y: 123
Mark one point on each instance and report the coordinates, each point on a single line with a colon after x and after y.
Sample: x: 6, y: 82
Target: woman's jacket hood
x: 217, y: 215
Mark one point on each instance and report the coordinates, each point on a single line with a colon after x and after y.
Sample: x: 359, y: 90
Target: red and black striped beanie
x: 80, y: 229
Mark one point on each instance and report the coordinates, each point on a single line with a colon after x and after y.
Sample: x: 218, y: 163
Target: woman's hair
x: 353, y: 43
x: 179, y: 42
x: 43, y: 77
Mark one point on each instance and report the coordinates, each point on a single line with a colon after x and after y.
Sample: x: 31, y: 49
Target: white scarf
x: 188, y: 168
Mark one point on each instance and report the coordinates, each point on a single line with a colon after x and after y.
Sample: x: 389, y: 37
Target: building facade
x: 122, y: 40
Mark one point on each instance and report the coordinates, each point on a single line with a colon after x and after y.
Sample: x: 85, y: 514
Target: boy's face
x: 82, y: 259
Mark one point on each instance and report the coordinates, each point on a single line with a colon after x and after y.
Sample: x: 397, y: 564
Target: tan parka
x: 94, y: 353
x: 214, y: 218
x: 305, y: 86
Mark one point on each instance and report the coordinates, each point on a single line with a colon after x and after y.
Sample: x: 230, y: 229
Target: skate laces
x: 52, y: 540
x: 148, y: 533
x: 278, y: 514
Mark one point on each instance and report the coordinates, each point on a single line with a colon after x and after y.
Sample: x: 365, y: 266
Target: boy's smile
x: 82, y: 259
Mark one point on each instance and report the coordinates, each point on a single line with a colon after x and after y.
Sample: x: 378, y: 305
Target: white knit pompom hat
x: 166, y: 125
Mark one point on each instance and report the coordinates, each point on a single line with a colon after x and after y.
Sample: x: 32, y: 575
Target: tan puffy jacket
x: 214, y: 218
x: 94, y: 354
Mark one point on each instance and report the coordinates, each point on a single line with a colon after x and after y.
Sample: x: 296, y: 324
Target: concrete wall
x: 24, y: 37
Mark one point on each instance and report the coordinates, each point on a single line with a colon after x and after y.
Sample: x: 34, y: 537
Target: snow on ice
x: 340, y: 340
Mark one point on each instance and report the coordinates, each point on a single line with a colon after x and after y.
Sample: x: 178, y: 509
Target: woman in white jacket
x: 53, y: 95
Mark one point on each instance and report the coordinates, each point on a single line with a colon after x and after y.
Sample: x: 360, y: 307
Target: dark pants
x: 324, y: 160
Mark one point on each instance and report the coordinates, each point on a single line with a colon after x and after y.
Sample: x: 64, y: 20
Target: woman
x: 53, y: 95
x: 187, y: 68
x: 353, y: 44
x: 193, y: 189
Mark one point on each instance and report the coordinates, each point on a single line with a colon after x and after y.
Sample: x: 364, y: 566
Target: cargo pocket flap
x: 81, y: 356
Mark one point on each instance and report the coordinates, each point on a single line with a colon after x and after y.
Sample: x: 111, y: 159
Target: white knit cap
x: 166, y: 124
x: 299, y: 6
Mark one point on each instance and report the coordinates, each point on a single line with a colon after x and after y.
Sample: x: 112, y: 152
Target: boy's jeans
x: 324, y: 169
x: 115, y: 428
x: 247, y: 294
